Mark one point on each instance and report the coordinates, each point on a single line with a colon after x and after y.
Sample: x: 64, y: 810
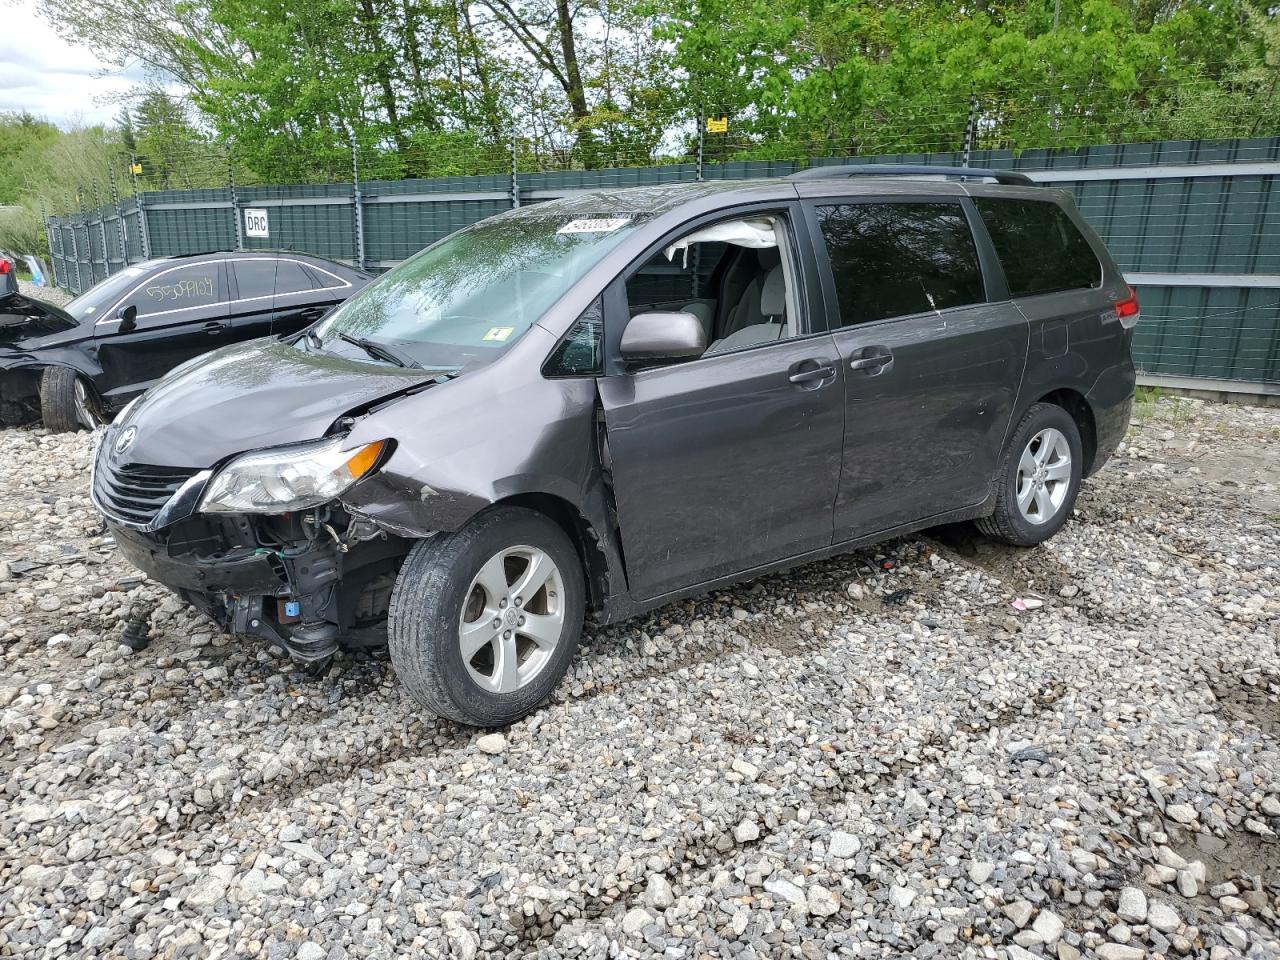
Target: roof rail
x: 1007, y: 177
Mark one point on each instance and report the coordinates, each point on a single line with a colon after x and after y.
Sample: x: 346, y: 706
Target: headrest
x: 768, y: 257
x: 773, y: 294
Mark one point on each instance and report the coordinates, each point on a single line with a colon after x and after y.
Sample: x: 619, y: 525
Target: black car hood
x: 253, y: 395
x: 25, y: 321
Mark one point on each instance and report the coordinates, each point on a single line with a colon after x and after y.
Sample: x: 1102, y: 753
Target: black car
x: 78, y: 365
x: 607, y: 402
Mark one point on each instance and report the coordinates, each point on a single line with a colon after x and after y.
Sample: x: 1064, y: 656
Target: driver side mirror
x: 663, y: 335
x: 128, y: 317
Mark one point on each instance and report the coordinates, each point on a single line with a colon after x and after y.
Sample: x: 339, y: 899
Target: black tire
x: 427, y: 607
x: 1006, y: 523
x: 58, y: 409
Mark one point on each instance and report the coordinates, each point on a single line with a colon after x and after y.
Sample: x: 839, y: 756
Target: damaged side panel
x: 534, y: 438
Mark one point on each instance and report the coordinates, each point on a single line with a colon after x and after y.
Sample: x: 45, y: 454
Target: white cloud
x: 44, y: 75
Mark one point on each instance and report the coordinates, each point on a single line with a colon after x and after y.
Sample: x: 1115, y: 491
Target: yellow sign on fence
x: 135, y: 168
x: 717, y: 124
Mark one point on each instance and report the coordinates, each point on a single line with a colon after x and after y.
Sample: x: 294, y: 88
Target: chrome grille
x: 136, y: 492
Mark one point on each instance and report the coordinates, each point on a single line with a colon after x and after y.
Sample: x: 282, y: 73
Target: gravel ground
x: 51, y: 294
x: 873, y: 756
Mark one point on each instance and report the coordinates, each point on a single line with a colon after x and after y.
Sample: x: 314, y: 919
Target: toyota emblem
x: 125, y: 440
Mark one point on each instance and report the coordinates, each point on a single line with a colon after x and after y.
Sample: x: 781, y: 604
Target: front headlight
x: 289, y: 478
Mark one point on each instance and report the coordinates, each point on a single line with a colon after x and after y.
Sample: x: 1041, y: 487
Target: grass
x: 1151, y: 403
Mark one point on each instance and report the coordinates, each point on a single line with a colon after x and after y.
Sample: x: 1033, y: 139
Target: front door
x: 182, y: 313
x: 731, y: 461
x: 932, y: 364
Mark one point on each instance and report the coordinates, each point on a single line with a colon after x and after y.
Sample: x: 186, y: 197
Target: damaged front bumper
x: 308, y: 581
x: 309, y: 595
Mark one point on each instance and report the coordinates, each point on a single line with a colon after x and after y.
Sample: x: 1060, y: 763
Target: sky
x: 44, y: 75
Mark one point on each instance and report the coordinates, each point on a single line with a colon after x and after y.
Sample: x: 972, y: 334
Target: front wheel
x: 1038, y: 478
x: 66, y: 403
x: 484, y: 622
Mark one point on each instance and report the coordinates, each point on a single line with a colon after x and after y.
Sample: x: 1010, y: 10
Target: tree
x: 169, y: 148
x: 24, y: 141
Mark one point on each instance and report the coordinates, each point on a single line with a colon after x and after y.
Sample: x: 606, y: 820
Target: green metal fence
x: 1194, y: 224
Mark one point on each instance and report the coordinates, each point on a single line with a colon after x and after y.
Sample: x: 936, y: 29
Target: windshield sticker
x: 498, y: 333
x: 595, y: 225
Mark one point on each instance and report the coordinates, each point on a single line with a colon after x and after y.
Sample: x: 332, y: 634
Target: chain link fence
x: 1195, y: 224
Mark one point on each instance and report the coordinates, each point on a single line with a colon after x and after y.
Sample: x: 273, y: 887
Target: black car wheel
x: 66, y: 401
x: 484, y: 622
x: 1038, y: 478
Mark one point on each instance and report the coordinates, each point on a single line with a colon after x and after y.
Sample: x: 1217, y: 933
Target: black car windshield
x: 94, y: 302
x: 461, y: 303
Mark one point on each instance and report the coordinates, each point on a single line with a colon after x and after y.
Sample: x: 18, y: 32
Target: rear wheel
x: 66, y: 402
x: 484, y: 622
x: 1038, y: 478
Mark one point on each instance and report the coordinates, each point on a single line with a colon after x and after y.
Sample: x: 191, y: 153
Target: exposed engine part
x: 312, y: 642
x: 136, y: 634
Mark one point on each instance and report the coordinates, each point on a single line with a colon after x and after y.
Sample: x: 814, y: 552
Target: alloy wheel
x: 1044, y: 476
x: 84, y: 411
x: 512, y: 619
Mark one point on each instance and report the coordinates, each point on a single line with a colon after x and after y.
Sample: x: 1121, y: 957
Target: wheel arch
x: 1081, y: 412
x: 585, y: 539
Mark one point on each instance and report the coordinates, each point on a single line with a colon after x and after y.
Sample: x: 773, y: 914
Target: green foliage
x: 858, y: 76
x: 287, y: 90
x: 24, y: 142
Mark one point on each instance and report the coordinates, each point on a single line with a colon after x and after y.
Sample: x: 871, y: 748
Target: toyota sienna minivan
x: 600, y: 404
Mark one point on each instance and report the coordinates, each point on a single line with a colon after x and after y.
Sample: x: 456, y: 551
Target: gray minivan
x: 603, y: 403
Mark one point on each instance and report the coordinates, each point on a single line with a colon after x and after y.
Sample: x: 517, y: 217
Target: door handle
x: 213, y: 326
x: 872, y: 359
x: 803, y: 373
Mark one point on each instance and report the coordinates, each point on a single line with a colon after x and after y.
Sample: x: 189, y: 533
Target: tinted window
x: 1040, y: 248
x: 893, y: 259
x: 263, y: 278
x: 198, y: 285
x: 579, y: 353
x: 326, y: 279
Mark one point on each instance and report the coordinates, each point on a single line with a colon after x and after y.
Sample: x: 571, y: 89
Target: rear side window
x: 263, y: 278
x: 1041, y: 250
x: 895, y: 259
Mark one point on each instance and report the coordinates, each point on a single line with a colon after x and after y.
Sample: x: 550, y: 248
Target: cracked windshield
x: 460, y: 304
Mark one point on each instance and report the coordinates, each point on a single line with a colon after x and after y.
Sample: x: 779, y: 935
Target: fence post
x: 515, y: 179
x: 702, y: 139
x: 357, y: 204
x: 235, y: 204
x: 48, y: 236
x: 75, y: 248
x: 971, y: 129
x: 144, y: 236
x: 124, y: 229
x: 102, y: 233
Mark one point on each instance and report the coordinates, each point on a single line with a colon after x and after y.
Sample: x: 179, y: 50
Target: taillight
x: 1127, y: 310
x: 4, y: 266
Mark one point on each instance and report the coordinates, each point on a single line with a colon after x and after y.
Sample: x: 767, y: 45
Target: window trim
x: 109, y: 315
x: 992, y: 283
x: 808, y: 293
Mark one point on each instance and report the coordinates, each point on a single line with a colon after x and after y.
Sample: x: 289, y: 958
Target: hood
x: 25, y: 321
x: 258, y: 394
